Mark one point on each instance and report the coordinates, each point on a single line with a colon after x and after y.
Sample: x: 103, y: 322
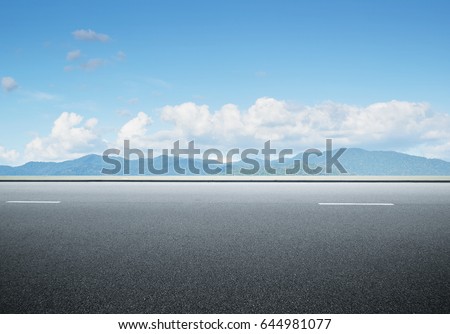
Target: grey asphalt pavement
x: 224, y: 247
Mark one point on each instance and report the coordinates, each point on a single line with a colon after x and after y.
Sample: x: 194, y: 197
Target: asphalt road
x: 224, y: 247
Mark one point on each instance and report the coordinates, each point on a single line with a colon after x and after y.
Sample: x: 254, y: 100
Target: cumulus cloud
x: 8, y: 156
x: 72, y: 55
x: 135, y: 130
x: 9, y: 84
x: 93, y: 64
x: 70, y: 138
x: 402, y: 126
x: 394, y: 125
x: 90, y: 35
x: 192, y: 119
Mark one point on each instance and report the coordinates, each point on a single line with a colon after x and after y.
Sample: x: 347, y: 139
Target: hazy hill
x: 362, y: 162
x: 356, y: 162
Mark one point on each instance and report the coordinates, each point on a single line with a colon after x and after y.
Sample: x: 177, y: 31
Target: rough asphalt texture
x: 224, y: 248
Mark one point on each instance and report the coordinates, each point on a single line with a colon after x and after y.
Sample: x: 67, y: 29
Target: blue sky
x: 80, y: 76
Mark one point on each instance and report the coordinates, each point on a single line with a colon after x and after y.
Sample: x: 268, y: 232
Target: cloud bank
x: 401, y: 126
x: 395, y: 125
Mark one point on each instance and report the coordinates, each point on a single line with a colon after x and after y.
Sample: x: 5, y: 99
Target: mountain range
x: 356, y: 161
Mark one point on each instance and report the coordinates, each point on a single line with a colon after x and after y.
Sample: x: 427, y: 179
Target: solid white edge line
x: 359, y: 204
x: 34, y: 202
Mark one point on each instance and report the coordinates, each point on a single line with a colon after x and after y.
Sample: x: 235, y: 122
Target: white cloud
x: 227, y: 124
x: 135, y: 130
x: 395, y: 125
x: 9, y: 84
x: 72, y: 55
x: 69, y: 139
x: 93, y: 64
x: 90, y: 35
x: 265, y: 118
x: 8, y: 156
x: 192, y: 119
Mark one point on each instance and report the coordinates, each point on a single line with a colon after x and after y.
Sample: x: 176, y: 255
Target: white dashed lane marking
x: 33, y: 202
x: 359, y: 204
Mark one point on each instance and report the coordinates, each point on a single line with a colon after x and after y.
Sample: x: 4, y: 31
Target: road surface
x: 224, y: 247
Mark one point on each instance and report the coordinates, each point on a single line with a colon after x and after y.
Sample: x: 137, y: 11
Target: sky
x: 78, y: 77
